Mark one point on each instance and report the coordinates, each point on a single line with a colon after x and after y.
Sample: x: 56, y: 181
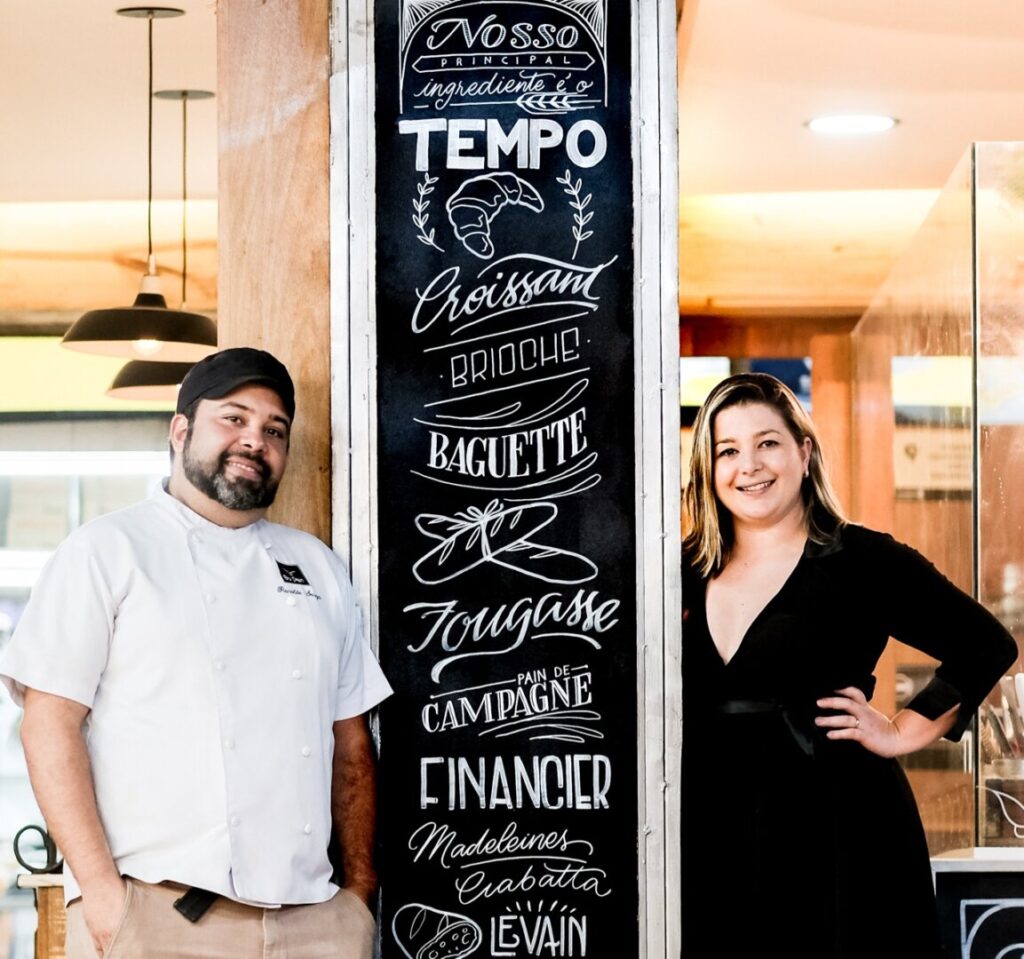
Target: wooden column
x: 273, y: 70
x: 832, y: 396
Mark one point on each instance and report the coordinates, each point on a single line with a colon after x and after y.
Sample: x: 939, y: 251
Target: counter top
x: 42, y: 880
x: 980, y: 859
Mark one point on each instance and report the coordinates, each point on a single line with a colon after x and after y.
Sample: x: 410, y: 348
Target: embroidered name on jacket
x: 292, y: 574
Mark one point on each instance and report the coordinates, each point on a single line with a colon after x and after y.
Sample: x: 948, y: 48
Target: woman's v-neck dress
x: 795, y: 845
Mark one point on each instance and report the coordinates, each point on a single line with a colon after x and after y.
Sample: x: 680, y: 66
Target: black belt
x: 800, y: 728
x: 195, y: 903
x: 744, y: 707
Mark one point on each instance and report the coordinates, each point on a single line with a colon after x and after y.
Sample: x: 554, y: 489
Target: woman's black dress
x: 794, y: 845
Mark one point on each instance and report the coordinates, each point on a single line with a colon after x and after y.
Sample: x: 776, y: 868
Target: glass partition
x: 999, y: 239
x: 937, y: 400
x: 56, y: 472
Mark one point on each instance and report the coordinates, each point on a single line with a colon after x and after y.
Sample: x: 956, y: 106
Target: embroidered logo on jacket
x: 292, y: 574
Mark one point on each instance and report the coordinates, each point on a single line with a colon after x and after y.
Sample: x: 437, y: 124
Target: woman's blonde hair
x: 710, y: 537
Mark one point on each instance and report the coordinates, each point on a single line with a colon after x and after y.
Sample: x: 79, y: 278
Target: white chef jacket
x: 214, y: 662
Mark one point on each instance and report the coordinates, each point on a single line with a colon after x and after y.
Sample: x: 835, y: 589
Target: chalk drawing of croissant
x: 423, y: 932
x: 473, y: 206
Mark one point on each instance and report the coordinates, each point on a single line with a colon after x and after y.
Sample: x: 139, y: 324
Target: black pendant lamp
x: 148, y: 379
x: 147, y: 328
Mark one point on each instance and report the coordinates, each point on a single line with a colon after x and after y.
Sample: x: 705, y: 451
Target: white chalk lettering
x: 459, y: 144
x: 501, y: 143
x: 442, y: 92
x: 426, y: 800
x: 439, y: 842
x: 506, y: 627
x: 422, y: 129
x: 588, y: 879
x: 574, y: 781
x: 511, y: 455
x: 516, y: 934
x: 492, y: 363
x: 505, y: 285
x: 597, y: 150
x: 539, y: 134
x: 491, y: 35
x: 487, y: 707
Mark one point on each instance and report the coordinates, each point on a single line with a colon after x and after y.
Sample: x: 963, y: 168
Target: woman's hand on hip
x: 858, y: 720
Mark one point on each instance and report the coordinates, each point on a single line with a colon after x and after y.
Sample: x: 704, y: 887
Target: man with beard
x: 195, y: 683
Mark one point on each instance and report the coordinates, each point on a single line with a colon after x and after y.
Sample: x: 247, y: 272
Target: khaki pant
x: 151, y: 928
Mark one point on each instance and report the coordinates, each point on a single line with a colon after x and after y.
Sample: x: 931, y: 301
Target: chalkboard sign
x: 981, y: 914
x: 506, y: 459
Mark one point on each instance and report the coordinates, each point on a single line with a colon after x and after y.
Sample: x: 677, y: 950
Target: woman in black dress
x: 801, y: 837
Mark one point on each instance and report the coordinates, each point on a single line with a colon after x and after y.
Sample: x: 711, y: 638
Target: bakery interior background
x: 781, y: 231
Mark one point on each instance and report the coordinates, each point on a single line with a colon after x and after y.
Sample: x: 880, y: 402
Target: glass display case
x: 938, y: 452
x: 56, y: 472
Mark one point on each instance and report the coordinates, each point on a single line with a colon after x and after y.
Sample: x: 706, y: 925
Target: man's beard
x: 240, y: 493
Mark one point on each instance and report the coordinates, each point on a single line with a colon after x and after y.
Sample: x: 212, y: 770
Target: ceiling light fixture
x: 851, y: 124
x: 145, y: 379
x: 147, y: 327
x: 184, y: 96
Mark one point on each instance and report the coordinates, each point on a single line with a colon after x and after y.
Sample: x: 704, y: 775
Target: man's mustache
x: 254, y: 458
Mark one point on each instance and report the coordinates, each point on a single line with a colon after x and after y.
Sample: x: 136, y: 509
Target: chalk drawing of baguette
x: 549, y: 563
x: 473, y: 206
x: 497, y: 534
x: 423, y: 932
x: 475, y: 536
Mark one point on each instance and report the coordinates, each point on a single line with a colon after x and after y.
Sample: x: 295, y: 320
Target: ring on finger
x: 856, y: 724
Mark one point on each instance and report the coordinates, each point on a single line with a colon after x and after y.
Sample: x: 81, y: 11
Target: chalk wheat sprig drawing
x: 420, y: 218
x: 558, y: 103
x: 579, y: 204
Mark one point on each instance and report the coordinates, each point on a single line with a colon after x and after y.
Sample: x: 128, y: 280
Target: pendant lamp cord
x: 184, y: 192
x: 150, y: 263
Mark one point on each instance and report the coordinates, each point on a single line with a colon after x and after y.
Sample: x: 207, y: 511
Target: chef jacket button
x: 290, y: 601
x: 219, y: 665
x: 307, y: 829
x: 267, y: 545
x: 306, y: 750
x: 234, y: 820
x: 210, y: 598
x: 296, y: 674
x: 229, y: 744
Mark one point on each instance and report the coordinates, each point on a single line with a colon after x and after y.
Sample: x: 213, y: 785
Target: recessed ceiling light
x: 851, y: 124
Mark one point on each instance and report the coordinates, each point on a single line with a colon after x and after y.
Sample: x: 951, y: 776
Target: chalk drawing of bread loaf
x: 473, y: 206
x: 476, y: 536
x: 427, y: 933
